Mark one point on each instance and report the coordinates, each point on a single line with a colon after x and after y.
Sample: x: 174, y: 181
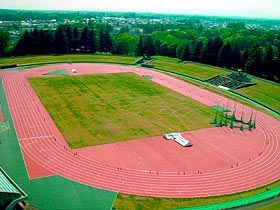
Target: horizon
x: 145, y: 12
x: 268, y: 9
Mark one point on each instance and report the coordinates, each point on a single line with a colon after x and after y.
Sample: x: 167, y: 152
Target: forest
x: 234, y: 46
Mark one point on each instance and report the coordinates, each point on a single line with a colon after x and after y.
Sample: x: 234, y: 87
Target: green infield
x: 99, y: 109
x: 68, y: 59
x: 190, y: 69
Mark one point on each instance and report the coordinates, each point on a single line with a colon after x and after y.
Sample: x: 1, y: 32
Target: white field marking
x: 37, y: 137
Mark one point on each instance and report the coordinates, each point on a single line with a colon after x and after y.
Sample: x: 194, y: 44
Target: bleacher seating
x: 231, y: 81
x: 10, y: 193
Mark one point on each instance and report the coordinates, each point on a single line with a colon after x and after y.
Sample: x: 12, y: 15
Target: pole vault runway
x: 222, y: 160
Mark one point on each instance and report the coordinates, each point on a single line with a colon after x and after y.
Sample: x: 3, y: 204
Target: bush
x: 8, y: 66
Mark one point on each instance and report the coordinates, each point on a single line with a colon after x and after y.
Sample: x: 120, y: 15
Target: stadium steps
x: 229, y: 82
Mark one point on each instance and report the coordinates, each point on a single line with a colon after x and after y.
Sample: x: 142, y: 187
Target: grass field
x: 264, y: 92
x: 99, y: 109
x: 190, y: 69
x: 275, y: 206
x: 130, y: 202
x: 68, y: 58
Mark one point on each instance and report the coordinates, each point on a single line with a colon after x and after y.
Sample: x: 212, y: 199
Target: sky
x: 244, y: 8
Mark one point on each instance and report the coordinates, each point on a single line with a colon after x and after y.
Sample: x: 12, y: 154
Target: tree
x: 217, y: 44
x: 235, y: 60
x: 76, y: 39
x: 37, y: 42
x: 49, y: 42
x: 172, y: 50
x: 140, y: 47
x: 185, y: 53
x: 237, y: 26
x: 225, y: 56
x: 206, y: 54
x: 121, y: 46
x: 22, y: 46
x: 101, y: 45
x: 92, y: 46
x: 157, y: 46
x: 34, y: 42
x: 277, y: 67
x: 108, y: 42
x: 149, y: 48
x: 69, y: 37
x: 164, y: 49
x: 4, y: 41
x: 42, y: 36
x: 85, y: 39
x: 268, y: 63
x: 132, y: 41
x: 211, y: 51
x: 60, y: 41
x: 254, y: 62
x: 124, y: 29
x: 244, y: 58
x: 197, y: 51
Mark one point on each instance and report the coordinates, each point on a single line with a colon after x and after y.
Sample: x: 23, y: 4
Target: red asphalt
x: 222, y: 160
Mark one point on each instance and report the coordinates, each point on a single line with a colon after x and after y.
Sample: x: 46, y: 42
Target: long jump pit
x: 221, y: 160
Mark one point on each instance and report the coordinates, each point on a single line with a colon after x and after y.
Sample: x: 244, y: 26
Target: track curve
x: 42, y: 142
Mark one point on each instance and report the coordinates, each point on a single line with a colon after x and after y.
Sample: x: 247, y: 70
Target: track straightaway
x: 42, y: 142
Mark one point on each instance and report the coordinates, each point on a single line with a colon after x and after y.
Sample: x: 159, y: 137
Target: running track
x: 44, y: 148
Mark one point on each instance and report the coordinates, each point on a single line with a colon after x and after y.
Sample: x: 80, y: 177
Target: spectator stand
x: 10, y: 193
x: 232, y: 81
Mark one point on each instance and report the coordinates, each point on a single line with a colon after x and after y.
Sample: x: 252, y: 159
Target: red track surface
x: 1, y: 115
x: 222, y: 160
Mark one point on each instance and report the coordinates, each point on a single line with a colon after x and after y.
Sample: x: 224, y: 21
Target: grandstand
x: 10, y: 194
x: 232, y: 81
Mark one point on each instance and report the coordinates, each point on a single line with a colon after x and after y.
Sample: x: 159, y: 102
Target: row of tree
x: 66, y: 39
x: 234, y: 47
x: 259, y: 61
x: 63, y: 40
